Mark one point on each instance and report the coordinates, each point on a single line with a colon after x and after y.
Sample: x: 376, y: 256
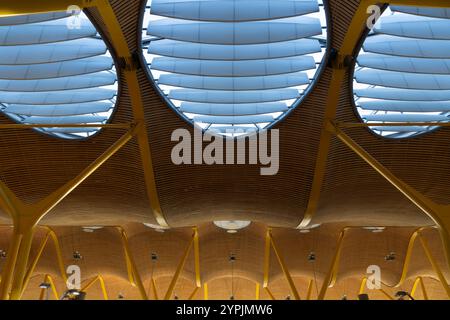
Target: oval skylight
x: 55, y: 69
x: 403, y: 71
x: 234, y: 65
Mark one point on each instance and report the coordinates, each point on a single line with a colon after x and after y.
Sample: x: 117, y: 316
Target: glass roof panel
x: 234, y: 64
x: 402, y: 73
x: 56, y: 69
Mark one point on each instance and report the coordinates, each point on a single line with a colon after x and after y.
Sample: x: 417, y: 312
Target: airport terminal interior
x: 224, y: 150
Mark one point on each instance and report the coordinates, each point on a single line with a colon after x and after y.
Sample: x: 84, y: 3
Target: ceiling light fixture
x: 401, y: 295
x: 375, y: 229
x: 44, y: 285
x: 74, y: 294
x: 91, y: 229
x: 232, y: 226
x: 77, y: 255
x: 390, y: 256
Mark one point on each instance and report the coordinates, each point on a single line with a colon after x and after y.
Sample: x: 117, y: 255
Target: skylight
x: 234, y: 65
x: 55, y: 69
x: 403, y: 71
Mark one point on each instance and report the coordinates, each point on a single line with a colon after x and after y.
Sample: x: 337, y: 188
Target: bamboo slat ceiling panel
x: 34, y: 165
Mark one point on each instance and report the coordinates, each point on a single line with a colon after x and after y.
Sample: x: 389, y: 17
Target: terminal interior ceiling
x: 89, y: 101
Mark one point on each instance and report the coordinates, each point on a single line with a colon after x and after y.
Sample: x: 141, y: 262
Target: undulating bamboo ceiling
x: 383, y: 85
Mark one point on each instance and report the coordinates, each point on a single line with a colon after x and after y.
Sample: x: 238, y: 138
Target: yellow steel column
x: 435, y: 265
x: 284, y: 268
x: 417, y: 282
x: 36, y: 259
x: 52, y: 285
x: 34, y: 263
x: 414, y: 288
x: 155, y: 291
x: 89, y: 284
x: 59, y: 255
x: 205, y: 291
x: 192, y: 295
x: 309, y: 290
x: 340, y: 67
x: 130, y: 71
x: 98, y: 278
x: 266, y: 261
x: 387, y: 295
x: 440, y: 214
x: 198, y: 281
x: 48, y: 203
x: 8, y: 268
x: 272, y: 297
x: 131, y: 263
x: 330, y: 278
x: 26, y: 217
x: 10, y: 8
x: 362, y: 287
x: 424, y: 290
x: 324, y: 146
x: 408, y: 255
x: 258, y: 291
x: 9, y: 202
x: 12, y: 206
x: 180, y: 267
x: 22, y: 263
